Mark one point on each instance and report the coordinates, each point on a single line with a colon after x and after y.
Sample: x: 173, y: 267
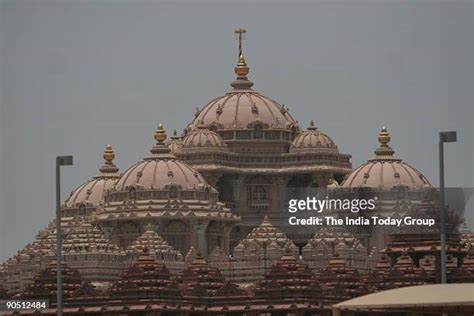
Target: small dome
x: 385, y: 171
x: 91, y: 193
x: 202, y: 137
x: 312, y: 139
x: 161, y: 170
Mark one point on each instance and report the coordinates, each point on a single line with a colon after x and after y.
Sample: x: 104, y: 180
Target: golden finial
x: 384, y: 151
x: 242, y: 69
x: 160, y: 134
x: 384, y: 137
x: 109, y: 154
x: 160, y: 149
x: 108, y: 168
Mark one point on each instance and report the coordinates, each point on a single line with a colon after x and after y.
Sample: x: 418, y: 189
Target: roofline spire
x: 240, y: 32
x: 241, y: 70
x: 109, y: 156
x: 160, y: 150
x: 384, y: 139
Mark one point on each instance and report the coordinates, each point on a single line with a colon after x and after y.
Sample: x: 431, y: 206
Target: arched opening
x: 224, y: 186
x: 125, y: 233
x: 294, y: 130
x: 258, y: 192
x: 339, y: 177
x: 176, y: 234
x: 215, y: 236
x: 132, y: 193
x: 173, y: 192
x: 299, y: 187
x: 258, y: 131
x: 82, y: 210
x: 207, y: 193
x: 235, y: 238
x: 213, y: 128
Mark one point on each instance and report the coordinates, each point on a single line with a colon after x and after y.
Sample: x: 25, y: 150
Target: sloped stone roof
x: 154, y: 244
x: 87, y: 237
x: 288, y: 278
x: 44, y: 284
x: 145, y: 278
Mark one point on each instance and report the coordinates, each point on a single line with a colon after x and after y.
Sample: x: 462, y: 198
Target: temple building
x: 199, y: 227
x: 398, y: 189
x: 170, y: 194
x: 251, y: 149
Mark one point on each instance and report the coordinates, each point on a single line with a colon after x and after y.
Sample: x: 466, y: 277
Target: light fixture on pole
x: 444, y: 137
x: 60, y: 161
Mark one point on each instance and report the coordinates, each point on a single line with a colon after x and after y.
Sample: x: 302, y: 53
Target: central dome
x: 243, y: 108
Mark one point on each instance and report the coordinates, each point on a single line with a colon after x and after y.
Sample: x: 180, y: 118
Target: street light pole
x: 444, y: 137
x: 60, y: 161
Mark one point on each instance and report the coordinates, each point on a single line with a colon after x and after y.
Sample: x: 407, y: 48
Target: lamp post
x: 444, y: 137
x: 60, y: 161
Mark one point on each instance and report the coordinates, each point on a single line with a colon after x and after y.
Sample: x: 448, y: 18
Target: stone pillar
x: 237, y: 196
x: 200, y: 228
x: 280, y: 185
x: 227, y: 230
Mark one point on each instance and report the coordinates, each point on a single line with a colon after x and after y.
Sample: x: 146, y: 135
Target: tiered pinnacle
x: 160, y: 150
x: 241, y: 70
x: 109, y: 156
x: 384, y: 150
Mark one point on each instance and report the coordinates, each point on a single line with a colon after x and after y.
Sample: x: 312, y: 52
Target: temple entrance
x: 299, y: 186
x: 224, y: 186
x: 177, y: 234
x: 215, y: 236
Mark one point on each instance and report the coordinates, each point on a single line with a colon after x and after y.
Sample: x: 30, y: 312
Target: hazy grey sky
x: 76, y: 75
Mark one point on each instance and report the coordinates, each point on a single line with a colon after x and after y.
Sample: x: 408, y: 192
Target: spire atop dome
x: 384, y: 139
x: 241, y: 70
x: 311, y: 126
x: 160, y: 150
x: 160, y: 134
x: 109, y: 156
